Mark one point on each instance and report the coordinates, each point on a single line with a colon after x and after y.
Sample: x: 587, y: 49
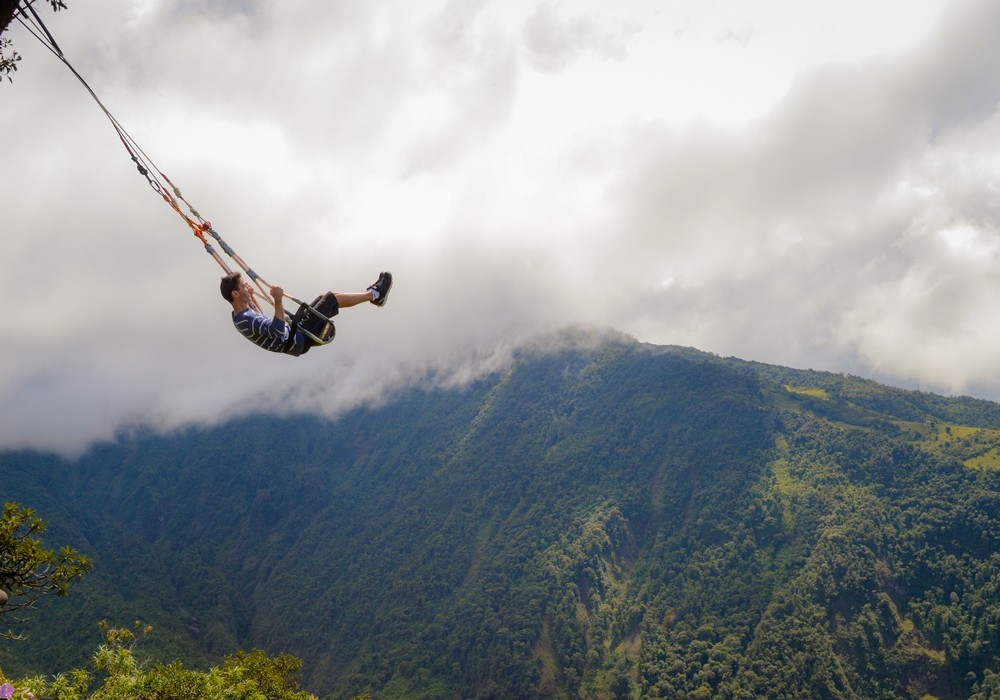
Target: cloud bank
x: 749, y: 184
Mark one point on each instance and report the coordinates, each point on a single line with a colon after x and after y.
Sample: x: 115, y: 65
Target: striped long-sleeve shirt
x: 268, y: 333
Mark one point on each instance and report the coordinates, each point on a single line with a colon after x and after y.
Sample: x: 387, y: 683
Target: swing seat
x: 313, y: 324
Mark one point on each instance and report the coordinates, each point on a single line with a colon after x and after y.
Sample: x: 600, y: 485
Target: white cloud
x: 809, y: 186
x: 552, y: 42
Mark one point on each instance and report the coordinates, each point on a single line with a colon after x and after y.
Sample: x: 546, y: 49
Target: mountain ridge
x: 602, y: 518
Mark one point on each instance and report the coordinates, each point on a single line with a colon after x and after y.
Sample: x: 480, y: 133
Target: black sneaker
x: 383, y: 286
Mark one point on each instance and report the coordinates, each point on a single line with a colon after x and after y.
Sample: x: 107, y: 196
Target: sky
x: 807, y: 184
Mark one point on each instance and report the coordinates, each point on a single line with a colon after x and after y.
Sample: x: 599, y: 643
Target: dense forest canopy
x: 608, y: 519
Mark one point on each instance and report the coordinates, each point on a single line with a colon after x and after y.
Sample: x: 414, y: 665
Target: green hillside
x: 606, y: 519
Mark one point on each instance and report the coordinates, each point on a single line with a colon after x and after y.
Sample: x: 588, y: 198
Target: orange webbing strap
x: 201, y: 227
x: 197, y: 228
x: 143, y: 163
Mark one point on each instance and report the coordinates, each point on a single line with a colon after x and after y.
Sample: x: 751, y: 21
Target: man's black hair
x: 229, y: 284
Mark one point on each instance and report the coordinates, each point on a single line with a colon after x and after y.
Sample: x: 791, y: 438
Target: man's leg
x: 347, y: 299
x: 375, y: 294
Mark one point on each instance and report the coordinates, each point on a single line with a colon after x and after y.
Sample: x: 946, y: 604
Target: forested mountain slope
x: 606, y: 519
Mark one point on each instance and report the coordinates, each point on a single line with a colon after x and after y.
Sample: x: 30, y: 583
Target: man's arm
x: 278, y: 294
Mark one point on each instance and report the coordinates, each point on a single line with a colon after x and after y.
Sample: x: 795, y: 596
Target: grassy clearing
x: 808, y: 391
x: 976, y: 448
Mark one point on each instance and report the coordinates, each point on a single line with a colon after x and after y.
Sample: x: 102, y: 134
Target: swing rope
x: 156, y: 178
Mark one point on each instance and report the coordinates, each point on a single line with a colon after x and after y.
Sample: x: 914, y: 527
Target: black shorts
x: 327, y: 305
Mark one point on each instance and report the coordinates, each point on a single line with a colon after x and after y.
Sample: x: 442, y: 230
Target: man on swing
x: 275, y: 334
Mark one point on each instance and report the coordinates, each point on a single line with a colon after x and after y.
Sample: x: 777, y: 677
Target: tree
x: 28, y: 571
x: 123, y: 675
x: 8, y: 62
